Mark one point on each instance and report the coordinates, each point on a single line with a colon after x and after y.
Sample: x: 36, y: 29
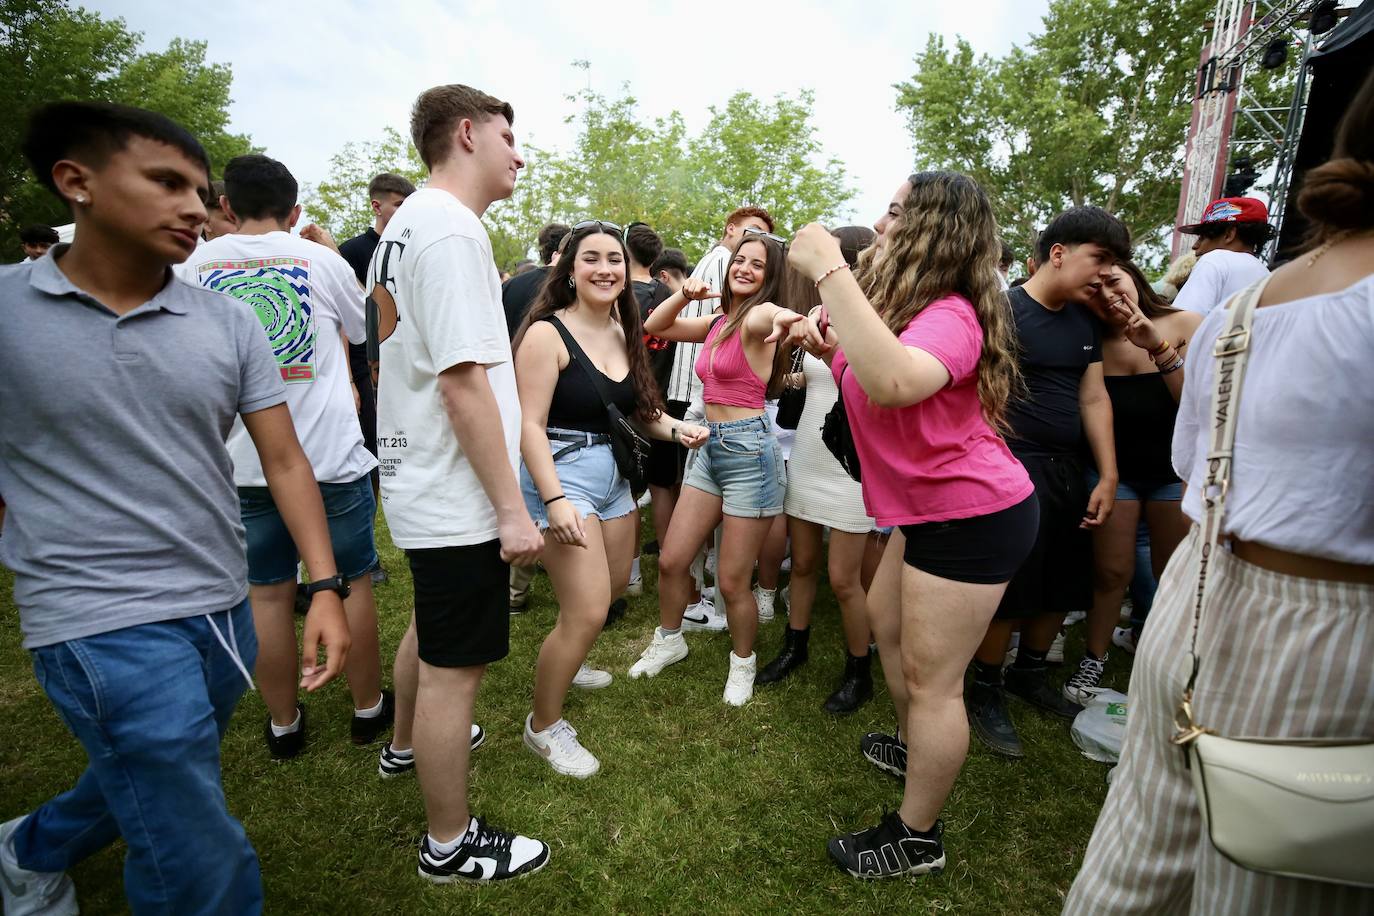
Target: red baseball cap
x: 1230, y: 210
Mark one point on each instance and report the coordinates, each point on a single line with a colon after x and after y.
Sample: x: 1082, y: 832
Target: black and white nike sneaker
x: 491, y: 855
x: 889, y: 850
x: 392, y: 764
x: 886, y: 752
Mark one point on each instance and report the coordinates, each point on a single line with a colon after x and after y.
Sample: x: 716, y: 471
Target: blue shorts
x: 1145, y: 491
x: 742, y: 464
x: 272, y: 555
x: 589, y: 477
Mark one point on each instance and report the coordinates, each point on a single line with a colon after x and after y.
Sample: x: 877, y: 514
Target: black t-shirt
x: 357, y: 251
x: 661, y: 352
x: 1056, y: 348
x: 517, y: 294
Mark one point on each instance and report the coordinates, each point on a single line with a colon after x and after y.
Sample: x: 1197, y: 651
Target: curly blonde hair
x: 946, y: 241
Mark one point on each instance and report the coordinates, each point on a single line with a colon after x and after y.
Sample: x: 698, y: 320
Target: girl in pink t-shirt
x: 924, y: 354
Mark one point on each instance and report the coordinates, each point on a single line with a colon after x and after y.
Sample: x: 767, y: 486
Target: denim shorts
x: 589, y: 478
x: 741, y: 463
x: 272, y: 555
x: 1146, y: 491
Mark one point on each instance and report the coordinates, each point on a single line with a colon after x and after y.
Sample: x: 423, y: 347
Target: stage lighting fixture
x: 1243, y: 175
x: 1275, y: 55
x: 1323, y: 17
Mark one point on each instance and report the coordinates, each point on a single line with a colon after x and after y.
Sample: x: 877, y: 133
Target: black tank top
x: 575, y: 403
x: 1143, y: 413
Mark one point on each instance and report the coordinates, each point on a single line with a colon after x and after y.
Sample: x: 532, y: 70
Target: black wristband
x: 555, y: 499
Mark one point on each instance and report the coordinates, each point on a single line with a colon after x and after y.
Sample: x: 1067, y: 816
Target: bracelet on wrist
x: 1172, y: 367
x: 1167, y: 355
x: 551, y: 501
x: 1156, y: 352
x: 838, y: 267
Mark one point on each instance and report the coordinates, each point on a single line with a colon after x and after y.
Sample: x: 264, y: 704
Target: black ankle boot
x: 856, y: 687
x: 793, y: 655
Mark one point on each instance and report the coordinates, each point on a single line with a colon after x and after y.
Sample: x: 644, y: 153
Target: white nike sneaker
x: 32, y: 893
x: 764, y: 597
x: 702, y: 616
x: 739, y: 686
x: 661, y: 652
x: 589, y: 678
x: 558, y: 745
x: 636, y: 586
x: 1125, y: 638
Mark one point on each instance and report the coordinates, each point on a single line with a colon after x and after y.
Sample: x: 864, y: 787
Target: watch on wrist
x: 332, y: 584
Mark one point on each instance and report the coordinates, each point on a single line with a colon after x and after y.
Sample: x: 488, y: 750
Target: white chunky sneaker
x: 558, y: 745
x: 739, y: 686
x: 1124, y: 637
x: 661, y: 652
x: 764, y: 597
x: 31, y: 893
x: 589, y: 678
x: 702, y: 616
x: 1084, y: 684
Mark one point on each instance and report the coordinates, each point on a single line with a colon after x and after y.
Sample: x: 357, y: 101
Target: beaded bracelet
x: 1172, y: 367
x: 837, y: 267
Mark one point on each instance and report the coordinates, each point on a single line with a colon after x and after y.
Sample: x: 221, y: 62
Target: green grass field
x: 699, y: 807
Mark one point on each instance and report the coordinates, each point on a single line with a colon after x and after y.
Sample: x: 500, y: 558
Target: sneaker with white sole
x: 558, y: 745
x: 739, y: 686
x: 1124, y: 638
x: 391, y: 764
x: 702, y: 617
x: 589, y: 678
x: 31, y: 893
x: 1055, y: 656
x: 1085, y: 683
x: 661, y: 652
x: 764, y: 598
x: 636, y: 586
x: 490, y: 855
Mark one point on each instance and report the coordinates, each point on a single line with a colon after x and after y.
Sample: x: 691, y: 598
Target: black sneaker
x: 889, y: 850
x: 987, y: 716
x: 650, y: 549
x: 886, y: 752
x: 365, y: 730
x: 1032, y: 685
x: 615, y: 612
x: 492, y: 855
x: 284, y: 747
x: 390, y: 764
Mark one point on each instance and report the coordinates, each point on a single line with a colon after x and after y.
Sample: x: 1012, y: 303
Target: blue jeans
x: 149, y: 704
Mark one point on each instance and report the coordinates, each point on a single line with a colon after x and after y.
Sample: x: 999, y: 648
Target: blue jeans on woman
x: 149, y: 704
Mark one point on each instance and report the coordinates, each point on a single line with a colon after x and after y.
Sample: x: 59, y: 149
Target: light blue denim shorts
x: 742, y: 464
x: 589, y: 477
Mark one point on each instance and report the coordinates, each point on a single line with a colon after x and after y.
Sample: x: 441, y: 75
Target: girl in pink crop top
x: 725, y: 373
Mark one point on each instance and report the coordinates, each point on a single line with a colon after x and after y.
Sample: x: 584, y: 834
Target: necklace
x: 1326, y: 246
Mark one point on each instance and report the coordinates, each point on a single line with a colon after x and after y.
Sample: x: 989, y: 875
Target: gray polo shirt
x: 122, y: 507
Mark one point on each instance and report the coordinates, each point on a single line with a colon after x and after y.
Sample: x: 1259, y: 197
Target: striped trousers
x: 1281, y: 657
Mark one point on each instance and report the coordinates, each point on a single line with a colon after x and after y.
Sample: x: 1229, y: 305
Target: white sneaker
x: 1085, y: 683
x: 645, y: 500
x: 708, y: 594
x: 589, y: 678
x: 786, y: 564
x: 1056, y: 654
x: 702, y: 616
x: 31, y: 893
x: 1073, y: 617
x: 1124, y: 637
x: 636, y: 586
x: 558, y: 745
x: 739, y: 686
x: 786, y: 595
x: 764, y: 598
x: 661, y: 652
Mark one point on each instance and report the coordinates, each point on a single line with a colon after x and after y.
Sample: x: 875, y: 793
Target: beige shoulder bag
x: 1291, y: 807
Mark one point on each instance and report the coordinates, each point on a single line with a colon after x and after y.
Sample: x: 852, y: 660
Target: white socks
x: 447, y: 849
x: 374, y: 712
x: 667, y: 634
x: 280, y: 730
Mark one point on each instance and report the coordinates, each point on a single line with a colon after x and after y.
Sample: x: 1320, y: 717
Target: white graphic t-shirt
x: 303, y: 295
x: 1217, y: 276
x: 438, y: 299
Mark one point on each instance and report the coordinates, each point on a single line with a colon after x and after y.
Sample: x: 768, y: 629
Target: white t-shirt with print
x: 435, y: 261
x: 683, y: 384
x: 303, y: 294
x: 1217, y: 276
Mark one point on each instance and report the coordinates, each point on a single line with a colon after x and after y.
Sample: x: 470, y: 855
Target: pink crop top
x: 725, y: 373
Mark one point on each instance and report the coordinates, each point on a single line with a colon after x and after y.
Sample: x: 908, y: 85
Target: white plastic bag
x: 1100, y: 728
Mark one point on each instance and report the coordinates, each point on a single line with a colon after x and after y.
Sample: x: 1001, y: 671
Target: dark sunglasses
x: 750, y: 230
x: 603, y: 225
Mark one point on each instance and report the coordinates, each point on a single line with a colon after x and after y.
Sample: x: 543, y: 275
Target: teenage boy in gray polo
x: 120, y: 384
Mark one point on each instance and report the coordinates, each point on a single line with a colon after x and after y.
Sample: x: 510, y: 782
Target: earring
x: 80, y: 199
x: 571, y: 284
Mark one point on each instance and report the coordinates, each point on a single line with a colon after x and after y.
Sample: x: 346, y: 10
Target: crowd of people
x: 974, y: 462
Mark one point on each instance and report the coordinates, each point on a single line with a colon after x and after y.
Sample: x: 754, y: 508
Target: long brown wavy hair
x: 557, y: 294
x: 771, y: 290
x: 946, y: 241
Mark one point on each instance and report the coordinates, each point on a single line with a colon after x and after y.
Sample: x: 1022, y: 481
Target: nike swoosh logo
x: 477, y: 868
x: 702, y: 619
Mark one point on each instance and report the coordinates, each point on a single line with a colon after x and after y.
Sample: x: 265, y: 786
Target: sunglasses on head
x: 750, y: 230
x: 603, y: 225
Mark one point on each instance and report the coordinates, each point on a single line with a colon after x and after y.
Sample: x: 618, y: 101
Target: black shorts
x: 667, y: 459
x: 1057, y: 576
x: 984, y: 549
x: 462, y: 604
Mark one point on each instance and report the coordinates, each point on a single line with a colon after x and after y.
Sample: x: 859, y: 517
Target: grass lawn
x: 699, y: 807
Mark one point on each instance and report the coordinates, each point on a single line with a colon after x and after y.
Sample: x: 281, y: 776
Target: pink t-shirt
x: 937, y: 459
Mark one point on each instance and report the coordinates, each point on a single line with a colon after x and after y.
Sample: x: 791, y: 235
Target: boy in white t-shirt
x: 448, y: 436
x: 1232, y: 230
x: 304, y: 295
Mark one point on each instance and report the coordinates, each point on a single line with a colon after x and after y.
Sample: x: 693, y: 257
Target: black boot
x: 856, y: 688
x: 793, y: 655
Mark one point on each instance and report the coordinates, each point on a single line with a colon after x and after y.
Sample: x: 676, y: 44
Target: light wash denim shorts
x: 742, y: 464
x: 590, y: 479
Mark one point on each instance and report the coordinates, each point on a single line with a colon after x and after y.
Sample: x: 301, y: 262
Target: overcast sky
x: 310, y: 75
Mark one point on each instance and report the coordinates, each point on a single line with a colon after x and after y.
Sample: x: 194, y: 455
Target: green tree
x: 340, y: 202
x: 51, y: 50
x: 1094, y: 110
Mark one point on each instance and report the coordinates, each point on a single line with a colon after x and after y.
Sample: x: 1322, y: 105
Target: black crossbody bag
x: 838, y: 437
x: 628, y: 445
